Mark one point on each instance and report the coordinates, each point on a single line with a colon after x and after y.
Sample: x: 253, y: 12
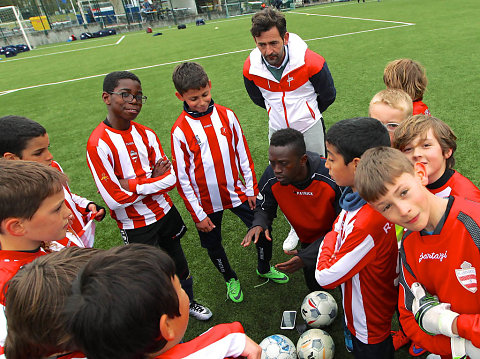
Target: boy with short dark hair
x: 428, y: 140
x: 24, y: 139
x: 210, y: 153
x: 361, y: 251
x: 439, y: 253
x: 133, y: 176
x: 142, y: 313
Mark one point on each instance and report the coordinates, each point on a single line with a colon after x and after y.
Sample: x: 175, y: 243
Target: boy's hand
x: 254, y: 233
x: 124, y: 184
x: 432, y: 316
x: 252, y: 349
x: 161, y: 167
x: 98, y: 212
x: 205, y: 226
x: 292, y: 265
x: 252, y: 201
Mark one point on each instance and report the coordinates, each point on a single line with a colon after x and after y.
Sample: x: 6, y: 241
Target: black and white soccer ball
x: 319, y: 309
x: 278, y: 347
x: 315, y: 343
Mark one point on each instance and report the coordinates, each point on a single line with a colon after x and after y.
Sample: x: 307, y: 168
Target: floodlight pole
x: 15, y: 11
x: 226, y: 9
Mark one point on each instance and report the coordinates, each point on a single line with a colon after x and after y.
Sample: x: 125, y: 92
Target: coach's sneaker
x: 234, y: 292
x: 291, y: 242
x: 199, y: 311
x: 274, y: 275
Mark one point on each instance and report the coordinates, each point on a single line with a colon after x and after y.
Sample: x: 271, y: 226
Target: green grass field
x: 60, y: 86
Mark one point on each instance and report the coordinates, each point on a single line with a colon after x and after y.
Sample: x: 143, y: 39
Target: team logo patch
x: 104, y: 177
x: 289, y: 79
x: 133, y: 155
x: 467, y: 276
x: 198, y: 140
x: 223, y: 131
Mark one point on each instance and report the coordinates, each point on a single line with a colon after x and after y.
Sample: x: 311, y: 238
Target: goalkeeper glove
x: 431, y: 315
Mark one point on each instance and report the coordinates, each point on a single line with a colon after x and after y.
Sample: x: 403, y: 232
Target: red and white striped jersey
x: 77, y: 206
x: 221, y: 341
x: 130, y: 154
x: 361, y: 255
x: 210, y: 153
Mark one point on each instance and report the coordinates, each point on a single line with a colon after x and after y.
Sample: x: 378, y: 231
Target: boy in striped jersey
x: 210, y: 153
x: 133, y: 176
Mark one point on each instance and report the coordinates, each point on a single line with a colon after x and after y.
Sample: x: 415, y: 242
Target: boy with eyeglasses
x: 133, y: 175
x: 391, y: 107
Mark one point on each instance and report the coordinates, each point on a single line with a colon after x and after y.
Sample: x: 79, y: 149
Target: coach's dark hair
x: 117, y: 302
x: 189, y: 75
x: 35, y: 301
x: 267, y: 18
x: 353, y: 136
x: 16, y: 132
x: 111, y: 80
x: 289, y: 137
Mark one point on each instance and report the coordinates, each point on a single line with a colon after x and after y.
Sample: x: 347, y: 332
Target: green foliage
x: 443, y: 38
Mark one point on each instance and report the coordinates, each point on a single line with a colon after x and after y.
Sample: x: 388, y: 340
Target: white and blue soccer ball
x: 315, y: 343
x: 319, y: 309
x: 278, y: 347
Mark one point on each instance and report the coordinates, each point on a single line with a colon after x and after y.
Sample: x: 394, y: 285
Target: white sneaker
x: 433, y: 356
x: 290, y: 243
x: 199, y: 311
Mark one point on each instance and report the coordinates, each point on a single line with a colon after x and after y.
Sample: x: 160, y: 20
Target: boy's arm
x: 338, y: 262
x: 266, y: 205
x: 106, y: 180
x: 244, y: 158
x: 181, y: 165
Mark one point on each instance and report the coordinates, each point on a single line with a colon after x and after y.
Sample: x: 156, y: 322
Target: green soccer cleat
x: 234, y: 292
x: 274, y: 275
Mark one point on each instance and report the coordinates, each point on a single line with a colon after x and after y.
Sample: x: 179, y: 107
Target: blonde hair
x: 408, y: 75
x: 378, y: 167
x: 419, y: 125
x: 395, y: 98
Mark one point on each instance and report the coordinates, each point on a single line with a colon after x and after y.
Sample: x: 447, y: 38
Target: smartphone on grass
x: 288, y: 319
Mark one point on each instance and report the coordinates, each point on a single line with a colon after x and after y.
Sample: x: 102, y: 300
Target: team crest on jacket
x: 467, y: 276
x: 223, y: 131
x: 133, y: 155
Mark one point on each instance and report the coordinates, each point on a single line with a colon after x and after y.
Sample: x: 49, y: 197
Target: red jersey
x: 221, y: 341
x: 210, y: 153
x: 130, y: 154
x: 419, y: 108
x: 453, y: 183
x: 445, y: 263
x: 361, y: 255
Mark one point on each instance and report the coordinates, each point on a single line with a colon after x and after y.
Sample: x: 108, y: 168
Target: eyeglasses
x: 128, y: 97
x: 391, y: 126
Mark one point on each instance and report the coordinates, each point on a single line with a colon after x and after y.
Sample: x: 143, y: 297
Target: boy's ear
x: 180, y: 97
x: 448, y: 154
x: 210, y: 84
x: 421, y: 173
x: 166, y: 329
x: 355, y: 162
x: 13, y: 226
x: 10, y: 156
x: 106, y: 97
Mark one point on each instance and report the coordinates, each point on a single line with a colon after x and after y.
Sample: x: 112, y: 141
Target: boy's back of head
x: 118, y: 299
x: 378, y: 167
x: 395, y: 98
x: 35, y: 301
x: 289, y: 137
x: 111, y: 80
x: 353, y: 136
x: 407, y: 75
x: 267, y: 18
x: 16, y: 132
x: 189, y: 75
x: 418, y: 126
x: 24, y: 185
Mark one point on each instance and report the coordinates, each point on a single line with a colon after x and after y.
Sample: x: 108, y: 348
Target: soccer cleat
x: 199, y: 311
x: 290, y: 243
x: 234, y: 292
x: 399, y: 339
x: 416, y: 351
x: 348, y: 339
x: 274, y: 275
x: 433, y: 356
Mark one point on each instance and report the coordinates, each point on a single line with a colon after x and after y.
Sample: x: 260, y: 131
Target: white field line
x: 120, y: 40
x: 351, y: 18
x: 67, y: 44
x: 6, y: 92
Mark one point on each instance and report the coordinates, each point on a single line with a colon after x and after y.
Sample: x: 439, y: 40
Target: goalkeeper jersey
x: 446, y: 264
x: 221, y: 341
x: 130, y: 154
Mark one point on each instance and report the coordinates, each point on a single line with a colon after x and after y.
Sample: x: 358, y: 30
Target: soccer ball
x: 319, y: 309
x: 278, y: 346
x: 315, y: 343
